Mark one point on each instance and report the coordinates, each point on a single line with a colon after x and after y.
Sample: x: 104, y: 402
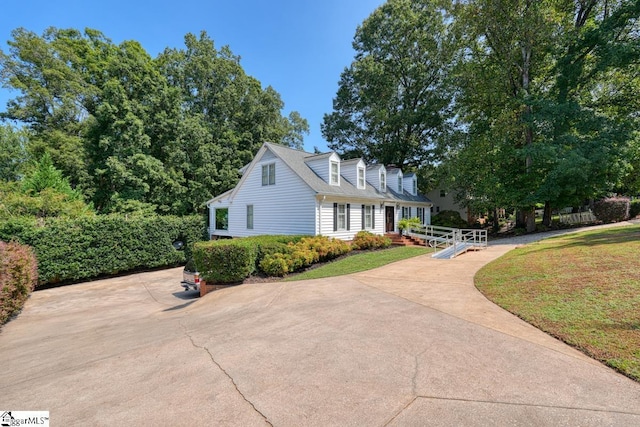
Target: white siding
x: 408, y: 181
x: 284, y: 208
x: 373, y: 176
x: 321, y: 165
x: 326, y: 223
x: 392, y: 179
x: 349, y: 170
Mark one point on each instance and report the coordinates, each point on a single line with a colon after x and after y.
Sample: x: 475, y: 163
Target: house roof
x: 296, y: 161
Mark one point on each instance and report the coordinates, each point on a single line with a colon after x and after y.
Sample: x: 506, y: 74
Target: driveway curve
x: 411, y: 343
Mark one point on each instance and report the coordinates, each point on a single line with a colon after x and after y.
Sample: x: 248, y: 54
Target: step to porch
x: 399, y: 240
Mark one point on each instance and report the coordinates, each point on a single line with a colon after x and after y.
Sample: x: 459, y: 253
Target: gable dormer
x: 411, y: 183
x: 394, y: 179
x: 377, y: 177
x: 355, y: 171
x: 326, y: 166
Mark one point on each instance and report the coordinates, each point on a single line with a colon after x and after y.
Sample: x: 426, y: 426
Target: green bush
x: 276, y: 264
x: 225, y: 261
x: 612, y: 209
x: 634, y: 209
x: 367, y: 240
x: 74, y: 249
x: 18, y: 277
x: 307, y: 251
x: 450, y: 219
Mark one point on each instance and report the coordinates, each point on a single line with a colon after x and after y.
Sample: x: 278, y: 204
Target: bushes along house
x: 18, y: 277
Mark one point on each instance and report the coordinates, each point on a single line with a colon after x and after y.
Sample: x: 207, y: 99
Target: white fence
x: 577, y: 218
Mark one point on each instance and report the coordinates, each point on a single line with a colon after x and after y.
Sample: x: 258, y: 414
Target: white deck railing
x: 443, y: 238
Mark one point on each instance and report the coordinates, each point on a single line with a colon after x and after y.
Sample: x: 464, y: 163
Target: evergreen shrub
x: 18, y: 277
x: 225, y: 261
x: 612, y: 209
x: 69, y: 250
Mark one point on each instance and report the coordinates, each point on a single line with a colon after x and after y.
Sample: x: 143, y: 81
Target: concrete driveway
x: 412, y: 343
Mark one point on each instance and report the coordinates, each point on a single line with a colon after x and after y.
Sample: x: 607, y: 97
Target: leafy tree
x: 393, y: 105
x: 543, y: 121
x: 13, y: 152
x: 135, y: 132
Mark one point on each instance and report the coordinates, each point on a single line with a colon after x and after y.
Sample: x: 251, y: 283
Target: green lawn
x: 582, y: 288
x: 360, y: 262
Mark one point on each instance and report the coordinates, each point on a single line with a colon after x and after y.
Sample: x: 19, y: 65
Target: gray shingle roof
x: 296, y: 161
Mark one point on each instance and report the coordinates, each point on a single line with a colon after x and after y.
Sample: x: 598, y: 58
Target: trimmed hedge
x: 75, y: 249
x: 613, y: 209
x: 634, y: 209
x: 225, y: 261
x: 233, y: 260
x: 18, y: 277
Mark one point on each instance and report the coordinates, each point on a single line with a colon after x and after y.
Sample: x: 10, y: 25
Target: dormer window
x: 415, y: 186
x: 361, y: 184
x: 400, y: 184
x: 383, y: 181
x: 335, y: 173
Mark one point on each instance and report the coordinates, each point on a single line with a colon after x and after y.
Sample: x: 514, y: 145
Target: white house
x: 287, y: 191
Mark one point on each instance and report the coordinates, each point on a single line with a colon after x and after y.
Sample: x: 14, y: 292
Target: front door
x: 389, y: 222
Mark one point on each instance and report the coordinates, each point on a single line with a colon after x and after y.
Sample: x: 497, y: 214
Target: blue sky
x: 298, y: 47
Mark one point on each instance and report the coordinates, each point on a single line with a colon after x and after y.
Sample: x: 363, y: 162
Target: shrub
x: 450, y: 219
x: 634, y: 209
x: 303, y: 253
x: 18, y: 277
x: 367, y: 240
x: 276, y: 264
x: 613, y: 209
x: 74, y: 249
x: 407, y: 223
x: 225, y: 261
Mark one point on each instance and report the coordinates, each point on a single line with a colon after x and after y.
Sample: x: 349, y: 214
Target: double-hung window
x: 335, y: 173
x: 361, y: 178
x: 383, y: 181
x: 269, y: 174
x: 249, y: 217
x: 399, y: 184
x: 368, y: 222
x: 342, y: 217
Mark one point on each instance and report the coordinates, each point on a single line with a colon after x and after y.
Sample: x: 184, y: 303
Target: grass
x: 583, y: 289
x: 360, y: 262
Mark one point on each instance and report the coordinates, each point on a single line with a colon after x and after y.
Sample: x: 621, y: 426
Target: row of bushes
x: 231, y: 261
x: 18, y: 277
x: 612, y: 209
x: 75, y: 249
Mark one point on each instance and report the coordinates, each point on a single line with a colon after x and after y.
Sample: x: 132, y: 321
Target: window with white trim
x: 361, y: 184
x: 383, y: 181
x: 269, y: 174
x: 368, y: 223
x: 415, y: 185
x: 335, y: 173
x: 400, y: 184
x: 420, y: 215
x: 342, y: 217
x: 249, y: 217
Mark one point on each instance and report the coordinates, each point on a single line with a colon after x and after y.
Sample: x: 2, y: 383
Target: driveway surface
x: 411, y: 343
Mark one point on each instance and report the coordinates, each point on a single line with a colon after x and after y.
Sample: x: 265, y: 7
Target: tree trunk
x: 530, y: 219
x: 546, y: 218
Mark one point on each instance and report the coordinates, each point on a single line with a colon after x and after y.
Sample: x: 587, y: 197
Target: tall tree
x: 392, y: 104
x: 542, y: 65
x: 13, y: 152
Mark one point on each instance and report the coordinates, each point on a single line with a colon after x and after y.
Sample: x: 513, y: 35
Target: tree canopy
x: 517, y: 102
x: 134, y: 132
